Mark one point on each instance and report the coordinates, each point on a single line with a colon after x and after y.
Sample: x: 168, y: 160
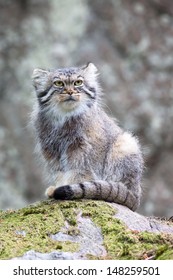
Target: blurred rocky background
x: 131, y: 42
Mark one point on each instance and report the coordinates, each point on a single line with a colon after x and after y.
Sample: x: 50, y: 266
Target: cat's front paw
x: 50, y: 191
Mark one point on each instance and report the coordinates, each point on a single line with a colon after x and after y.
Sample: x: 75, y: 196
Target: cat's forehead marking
x: 69, y: 74
x: 67, y: 71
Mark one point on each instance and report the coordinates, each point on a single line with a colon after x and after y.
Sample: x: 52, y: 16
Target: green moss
x: 120, y: 242
x: 167, y: 254
x: 29, y: 228
x: 68, y: 209
x: 48, y: 217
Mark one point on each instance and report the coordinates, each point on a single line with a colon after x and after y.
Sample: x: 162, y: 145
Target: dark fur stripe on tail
x: 64, y: 192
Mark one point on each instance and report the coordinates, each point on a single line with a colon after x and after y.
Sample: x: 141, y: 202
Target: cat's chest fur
x: 62, y: 142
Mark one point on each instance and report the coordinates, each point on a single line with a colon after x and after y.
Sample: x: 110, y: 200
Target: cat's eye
x: 78, y: 83
x: 58, y: 83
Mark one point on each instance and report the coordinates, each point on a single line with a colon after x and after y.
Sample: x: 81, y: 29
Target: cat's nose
x: 70, y: 92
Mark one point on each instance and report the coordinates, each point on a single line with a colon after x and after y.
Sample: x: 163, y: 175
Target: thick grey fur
x: 86, y: 153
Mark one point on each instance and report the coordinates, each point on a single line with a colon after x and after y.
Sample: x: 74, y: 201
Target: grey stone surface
x: 54, y: 255
x: 90, y: 238
x: 135, y: 221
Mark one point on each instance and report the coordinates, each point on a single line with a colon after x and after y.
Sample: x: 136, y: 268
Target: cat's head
x: 67, y: 89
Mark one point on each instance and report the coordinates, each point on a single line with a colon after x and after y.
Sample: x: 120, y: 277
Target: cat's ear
x: 40, y: 79
x: 90, y: 68
x: 90, y: 71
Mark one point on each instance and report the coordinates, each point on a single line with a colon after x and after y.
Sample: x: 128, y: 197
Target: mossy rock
x: 84, y: 229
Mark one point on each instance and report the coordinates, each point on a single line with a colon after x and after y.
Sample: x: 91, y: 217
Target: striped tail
x: 100, y: 190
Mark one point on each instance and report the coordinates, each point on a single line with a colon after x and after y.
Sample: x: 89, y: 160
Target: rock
x: 83, y: 229
x: 54, y: 255
x: 135, y: 221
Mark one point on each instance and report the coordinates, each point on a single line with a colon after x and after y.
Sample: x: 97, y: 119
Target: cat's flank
x: 86, y: 153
